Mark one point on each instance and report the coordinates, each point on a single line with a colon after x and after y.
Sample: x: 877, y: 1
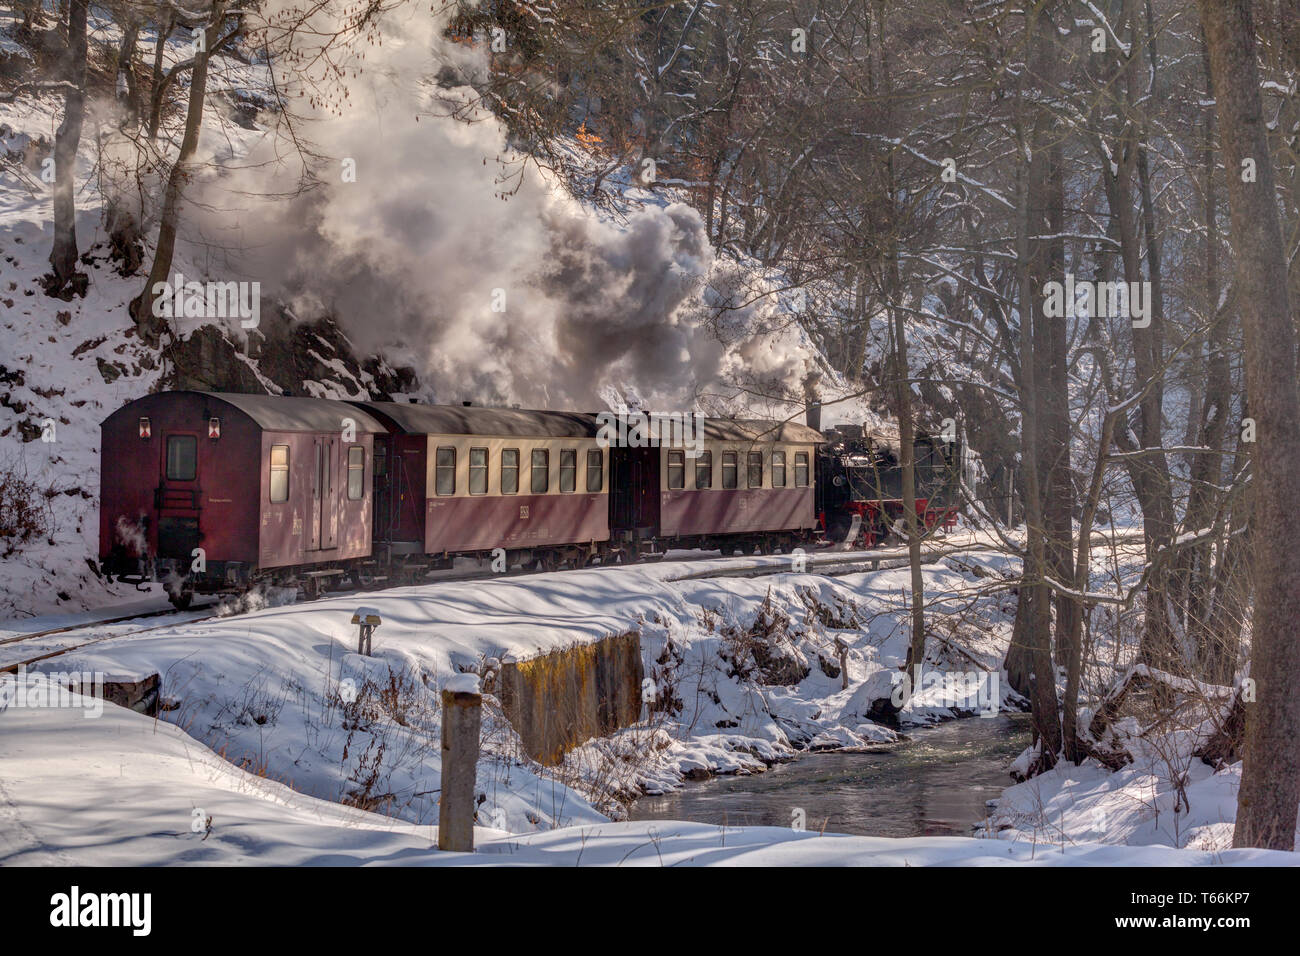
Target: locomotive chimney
x: 812, y: 414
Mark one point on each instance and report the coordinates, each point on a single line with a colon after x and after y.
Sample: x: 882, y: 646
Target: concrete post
x: 461, y: 715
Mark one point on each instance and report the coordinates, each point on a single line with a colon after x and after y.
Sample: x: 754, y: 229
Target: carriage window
x: 595, y: 469
x: 541, y: 471
x: 756, y: 469
x: 676, y: 470
x: 778, y: 469
x: 381, y: 460
x: 478, y: 458
x: 729, y: 469
x: 801, y: 469
x: 704, y: 470
x: 279, y: 472
x: 568, y: 469
x: 356, y: 472
x: 510, y: 471
x: 445, y: 477
x: 182, y: 457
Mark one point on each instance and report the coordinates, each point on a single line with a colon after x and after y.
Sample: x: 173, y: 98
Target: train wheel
x: 181, y: 600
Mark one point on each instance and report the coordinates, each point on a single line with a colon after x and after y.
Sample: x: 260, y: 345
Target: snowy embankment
x: 272, y: 723
x: 281, y: 692
x: 127, y: 790
x: 1135, y: 806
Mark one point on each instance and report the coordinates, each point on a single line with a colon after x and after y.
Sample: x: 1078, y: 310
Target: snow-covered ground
x: 125, y: 790
x: 65, y: 366
x: 267, y: 689
x: 1136, y: 805
x: 271, y: 718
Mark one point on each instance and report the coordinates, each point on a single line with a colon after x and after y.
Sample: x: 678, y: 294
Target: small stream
x: 935, y: 784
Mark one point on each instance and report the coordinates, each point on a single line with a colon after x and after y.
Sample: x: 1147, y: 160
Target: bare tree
x: 64, y: 281
x: 143, y: 307
x: 1270, y: 785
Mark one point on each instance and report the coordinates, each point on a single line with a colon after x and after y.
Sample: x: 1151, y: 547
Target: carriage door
x: 383, y: 491
x: 176, y: 500
x: 325, y: 517
x: 634, y: 488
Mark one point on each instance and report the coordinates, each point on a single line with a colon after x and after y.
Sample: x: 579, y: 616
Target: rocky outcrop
x: 208, y: 361
x: 281, y: 355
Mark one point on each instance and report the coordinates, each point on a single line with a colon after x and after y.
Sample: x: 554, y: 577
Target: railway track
x: 831, y: 561
x: 107, y: 621
x: 16, y: 650
x: 21, y: 650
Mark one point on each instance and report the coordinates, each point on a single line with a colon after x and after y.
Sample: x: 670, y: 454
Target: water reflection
x: 934, y: 785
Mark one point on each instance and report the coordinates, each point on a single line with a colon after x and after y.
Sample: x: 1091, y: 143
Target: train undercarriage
x: 394, y: 566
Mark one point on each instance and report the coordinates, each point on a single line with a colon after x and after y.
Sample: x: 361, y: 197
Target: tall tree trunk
x: 128, y: 92
x: 150, y: 325
x: 1207, y: 470
x: 1270, y: 781
x: 64, y: 279
x: 1052, y: 341
x: 1032, y: 177
x: 907, y: 443
x: 1074, y: 751
x: 1150, y: 472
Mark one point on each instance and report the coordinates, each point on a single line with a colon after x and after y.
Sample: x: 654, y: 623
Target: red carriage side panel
x: 490, y: 478
x: 738, y: 487
x: 735, y: 511
x: 561, y: 510
x: 323, y: 514
x: 515, y: 521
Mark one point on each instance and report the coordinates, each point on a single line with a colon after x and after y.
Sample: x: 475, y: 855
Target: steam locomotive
x: 222, y: 492
x: 860, y: 484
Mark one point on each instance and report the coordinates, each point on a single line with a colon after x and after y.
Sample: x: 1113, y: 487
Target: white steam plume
x: 410, y: 255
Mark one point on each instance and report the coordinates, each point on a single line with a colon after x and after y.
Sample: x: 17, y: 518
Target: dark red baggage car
x: 211, y: 492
